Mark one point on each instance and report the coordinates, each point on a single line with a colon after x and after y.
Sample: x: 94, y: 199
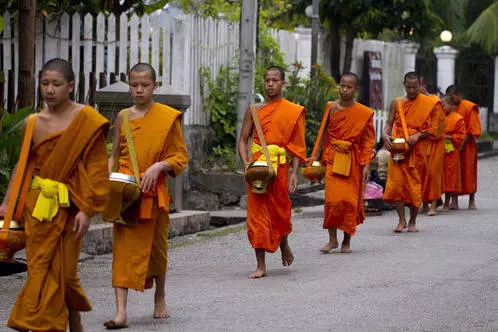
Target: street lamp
x: 312, y: 12
x: 446, y: 36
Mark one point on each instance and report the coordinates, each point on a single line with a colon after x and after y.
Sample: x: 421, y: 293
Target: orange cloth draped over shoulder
x: 353, y: 128
x: 269, y: 214
x: 468, y: 155
x: 455, y: 126
x: 76, y: 157
x: 140, y: 252
x: 432, y: 178
x: 404, y: 178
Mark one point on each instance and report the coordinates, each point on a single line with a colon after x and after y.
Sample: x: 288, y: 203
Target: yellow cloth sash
x: 342, y: 157
x: 448, y: 146
x: 277, y: 154
x: 52, y: 195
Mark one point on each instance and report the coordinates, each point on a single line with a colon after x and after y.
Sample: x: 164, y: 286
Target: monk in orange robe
x: 455, y: 133
x: 433, y: 176
x: 70, y: 184
x: 140, y: 251
x: 468, y: 155
x: 404, y: 181
x: 269, y: 214
x: 348, y: 135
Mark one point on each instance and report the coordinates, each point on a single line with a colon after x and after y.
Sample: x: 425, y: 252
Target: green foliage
x: 268, y: 55
x: 220, y: 98
x: 484, y: 31
x: 313, y: 94
x: 10, y: 143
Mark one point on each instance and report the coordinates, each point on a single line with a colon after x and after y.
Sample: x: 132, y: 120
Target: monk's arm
x: 388, y: 126
x: 116, y: 140
x: 175, y: 156
x: 321, y: 144
x: 244, y: 138
x: 474, y: 128
x: 5, y: 201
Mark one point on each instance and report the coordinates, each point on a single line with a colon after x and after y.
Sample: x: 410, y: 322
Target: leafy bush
x: 10, y: 143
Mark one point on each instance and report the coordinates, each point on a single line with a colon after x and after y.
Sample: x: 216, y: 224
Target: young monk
x: 433, y: 176
x: 269, y: 214
x: 468, y: 155
x: 404, y: 181
x: 454, y: 136
x: 70, y: 185
x: 347, y: 141
x: 140, y: 252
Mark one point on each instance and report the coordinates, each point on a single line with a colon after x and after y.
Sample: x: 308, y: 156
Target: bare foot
x: 287, y: 256
x: 401, y: 226
x: 346, y: 248
x: 329, y: 246
x: 149, y: 283
x: 259, y: 273
x: 431, y: 213
x: 472, y: 206
x: 453, y: 207
x: 423, y: 208
x: 445, y: 209
x: 115, y: 324
x: 160, y: 307
x: 412, y: 229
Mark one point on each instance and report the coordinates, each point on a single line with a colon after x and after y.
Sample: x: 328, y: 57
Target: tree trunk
x: 335, y: 51
x: 27, y: 20
x: 348, y: 54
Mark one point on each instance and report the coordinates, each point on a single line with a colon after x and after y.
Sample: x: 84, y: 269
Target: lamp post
x: 312, y: 12
x: 446, y: 56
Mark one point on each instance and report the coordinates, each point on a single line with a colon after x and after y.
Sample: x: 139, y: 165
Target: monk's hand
x: 387, y: 141
x: 81, y: 224
x: 413, y: 139
x: 293, y: 182
x: 149, y: 179
x: 366, y: 174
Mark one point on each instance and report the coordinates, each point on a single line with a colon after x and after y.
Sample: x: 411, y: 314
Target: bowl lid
x: 13, y: 224
x: 120, y: 177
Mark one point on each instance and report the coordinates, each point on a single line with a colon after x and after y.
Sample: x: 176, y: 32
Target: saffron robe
x: 76, y: 157
x: 432, y: 178
x: 404, y: 178
x: 344, y: 208
x: 468, y: 155
x: 140, y: 252
x: 269, y: 214
x: 455, y: 126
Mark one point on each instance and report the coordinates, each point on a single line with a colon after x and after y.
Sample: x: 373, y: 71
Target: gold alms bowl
x: 258, y: 175
x: 399, y: 148
x: 315, y: 172
x: 15, y: 241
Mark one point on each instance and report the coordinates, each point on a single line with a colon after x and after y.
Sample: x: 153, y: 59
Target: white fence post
x: 111, y: 46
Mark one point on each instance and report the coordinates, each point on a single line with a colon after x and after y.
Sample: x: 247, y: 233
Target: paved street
x: 444, y: 278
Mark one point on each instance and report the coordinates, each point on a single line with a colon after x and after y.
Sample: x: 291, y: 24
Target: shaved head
x: 353, y: 75
x: 60, y: 66
x: 279, y: 69
x: 412, y: 76
x: 144, y: 68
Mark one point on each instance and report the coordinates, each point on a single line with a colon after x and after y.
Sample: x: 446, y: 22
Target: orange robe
x: 269, y: 214
x: 455, y: 126
x: 77, y: 158
x: 140, y: 251
x: 404, y: 181
x: 432, y: 178
x: 349, y: 129
x: 468, y: 155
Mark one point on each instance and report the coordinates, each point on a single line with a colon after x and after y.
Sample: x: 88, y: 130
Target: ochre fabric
x: 343, y: 193
x: 269, y: 214
x: 468, y: 156
x: 455, y: 126
x: 432, y: 178
x: 140, y: 251
x: 77, y: 158
x: 404, y: 181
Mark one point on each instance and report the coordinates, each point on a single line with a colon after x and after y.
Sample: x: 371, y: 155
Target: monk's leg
x: 287, y: 255
x: 424, y: 207
x: 346, y: 244
x: 400, y: 208
x: 432, y: 209
x: 333, y: 243
x: 413, y: 220
x: 261, y: 268
x: 446, y: 205
x: 454, y: 203
x: 75, y: 321
x: 160, y: 306
x: 120, y: 318
x: 472, y: 202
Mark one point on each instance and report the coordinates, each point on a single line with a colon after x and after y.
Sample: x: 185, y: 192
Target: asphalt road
x: 444, y: 278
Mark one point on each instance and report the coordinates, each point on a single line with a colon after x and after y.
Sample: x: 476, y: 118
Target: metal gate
x: 426, y: 67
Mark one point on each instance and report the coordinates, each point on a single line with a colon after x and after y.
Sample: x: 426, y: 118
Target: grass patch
x: 222, y: 232
x: 298, y: 209
x: 199, y: 237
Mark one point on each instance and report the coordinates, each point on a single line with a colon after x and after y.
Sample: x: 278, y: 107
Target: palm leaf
x: 484, y: 30
x: 13, y: 121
